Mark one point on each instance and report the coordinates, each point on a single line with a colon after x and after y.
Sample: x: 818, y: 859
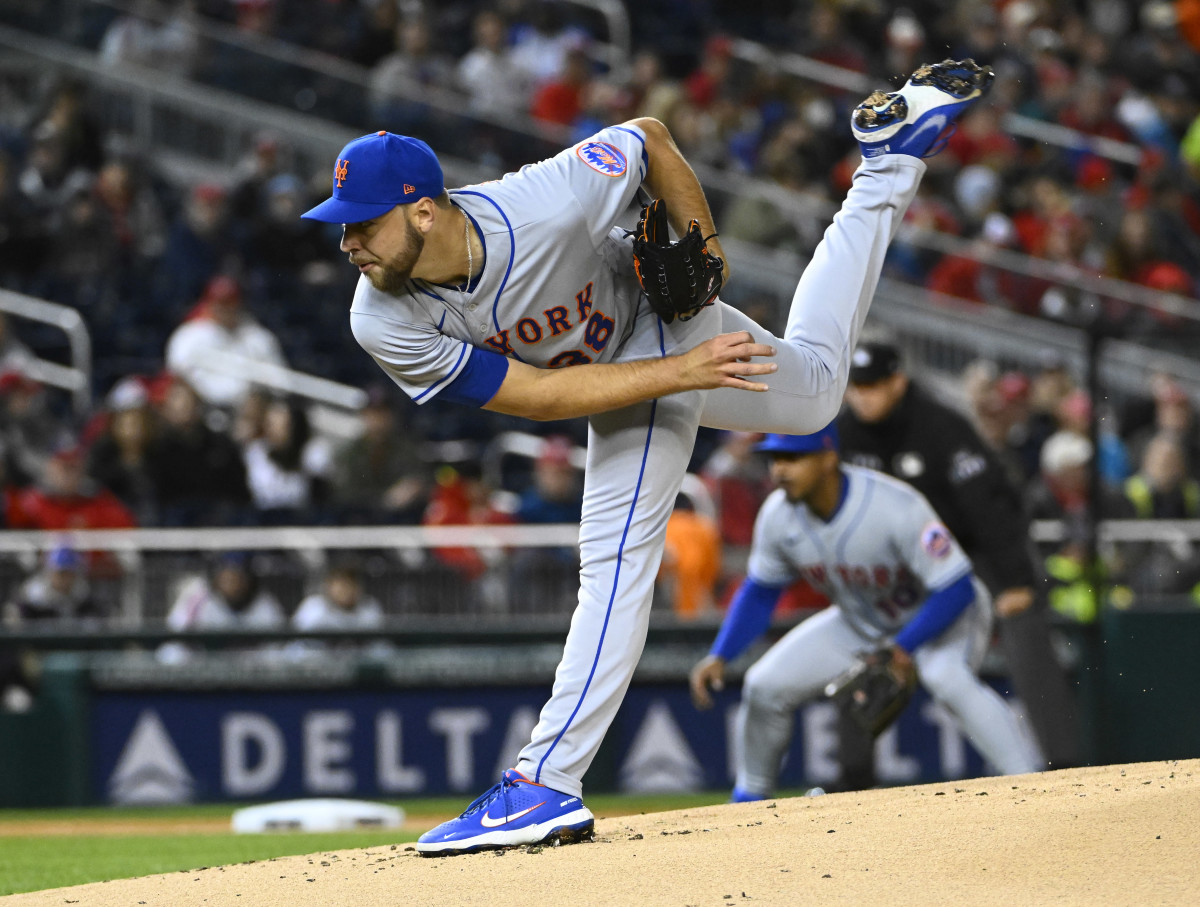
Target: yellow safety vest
x: 1138, y: 490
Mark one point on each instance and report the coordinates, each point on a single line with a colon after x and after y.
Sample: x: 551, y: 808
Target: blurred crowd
x: 533, y: 75
x: 175, y: 277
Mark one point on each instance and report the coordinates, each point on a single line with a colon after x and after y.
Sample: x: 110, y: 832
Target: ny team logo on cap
x: 603, y: 158
x: 389, y: 170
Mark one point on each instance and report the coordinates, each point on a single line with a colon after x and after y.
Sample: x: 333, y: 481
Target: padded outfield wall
x: 109, y: 729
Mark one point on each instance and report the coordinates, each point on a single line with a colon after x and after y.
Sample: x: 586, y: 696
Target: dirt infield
x: 1111, y: 835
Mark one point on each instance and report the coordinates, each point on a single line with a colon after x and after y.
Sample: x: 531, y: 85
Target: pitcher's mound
x: 1108, y: 835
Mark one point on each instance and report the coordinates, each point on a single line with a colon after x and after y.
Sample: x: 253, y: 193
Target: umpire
x: 893, y: 425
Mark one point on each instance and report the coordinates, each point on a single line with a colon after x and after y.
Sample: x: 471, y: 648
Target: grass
x: 36, y: 862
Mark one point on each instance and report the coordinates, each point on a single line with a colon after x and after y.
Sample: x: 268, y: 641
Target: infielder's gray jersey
x: 879, y: 557
x: 557, y: 285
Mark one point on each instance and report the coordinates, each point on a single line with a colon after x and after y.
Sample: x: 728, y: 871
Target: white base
x: 316, y: 815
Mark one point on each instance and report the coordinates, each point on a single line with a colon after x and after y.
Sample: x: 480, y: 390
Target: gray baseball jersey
x: 557, y: 288
x: 879, y: 557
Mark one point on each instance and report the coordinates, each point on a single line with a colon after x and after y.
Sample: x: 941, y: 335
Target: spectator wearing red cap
x: 67, y: 498
x: 1166, y: 408
x: 1075, y: 415
x: 199, y: 241
x: 220, y: 327
x: 556, y: 495
x: 710, y: 79
x: 547, y: 580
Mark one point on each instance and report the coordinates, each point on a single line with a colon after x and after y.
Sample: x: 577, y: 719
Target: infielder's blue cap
x: 377, y: 172
x: 825, y: 439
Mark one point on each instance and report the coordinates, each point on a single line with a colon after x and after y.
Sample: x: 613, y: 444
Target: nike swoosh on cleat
x: 488, y: 822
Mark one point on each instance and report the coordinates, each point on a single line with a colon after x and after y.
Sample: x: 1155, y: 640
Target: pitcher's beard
x: 391, y: 278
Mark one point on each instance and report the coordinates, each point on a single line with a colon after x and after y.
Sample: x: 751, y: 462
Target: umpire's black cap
x: 874, y: 361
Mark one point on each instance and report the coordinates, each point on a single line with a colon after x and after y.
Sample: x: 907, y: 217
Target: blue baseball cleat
x: 741, y: 795
x: 516, y: 811
x: 911, y: 120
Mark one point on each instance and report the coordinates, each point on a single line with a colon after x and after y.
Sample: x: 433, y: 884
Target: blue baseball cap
x: 377, y: 172
x: 825, y: 439
x: 64, y: 558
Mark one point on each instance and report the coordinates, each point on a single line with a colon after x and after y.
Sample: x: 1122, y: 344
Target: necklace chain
x: 470, y: 256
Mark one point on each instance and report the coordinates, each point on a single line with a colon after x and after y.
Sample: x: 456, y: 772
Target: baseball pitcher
x: 521, y: 296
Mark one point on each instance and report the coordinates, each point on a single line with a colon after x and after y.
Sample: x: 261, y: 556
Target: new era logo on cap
x: 377, y: 172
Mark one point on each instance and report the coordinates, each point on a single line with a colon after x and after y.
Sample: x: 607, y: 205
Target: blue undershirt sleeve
x: 748, y: 617
x: 479, y: 380
x: 941, y: 609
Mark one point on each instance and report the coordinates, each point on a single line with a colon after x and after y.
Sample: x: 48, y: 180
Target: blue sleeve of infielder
x: 940, y: 610
x: 747, y: 619
x: 479, y: 380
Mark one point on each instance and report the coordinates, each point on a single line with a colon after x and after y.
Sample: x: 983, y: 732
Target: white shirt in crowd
x: 199, y: 607
x: 317, y: 612
x: 190, y: 352
x: 273, y: 487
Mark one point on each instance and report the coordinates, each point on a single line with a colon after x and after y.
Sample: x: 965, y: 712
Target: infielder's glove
x: 870, y: 692
x: 678, y: 278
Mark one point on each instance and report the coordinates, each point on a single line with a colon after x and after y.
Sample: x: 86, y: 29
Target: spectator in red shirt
x: 463, y: 498
x: 560, y: 101
x: 67, y: 498
x: 708, y: 80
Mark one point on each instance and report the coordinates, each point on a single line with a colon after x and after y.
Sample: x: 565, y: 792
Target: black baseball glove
x: 678, y: 278
x: 871, y: 693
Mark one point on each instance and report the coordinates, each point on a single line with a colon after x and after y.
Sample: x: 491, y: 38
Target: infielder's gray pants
x: 797, y: 668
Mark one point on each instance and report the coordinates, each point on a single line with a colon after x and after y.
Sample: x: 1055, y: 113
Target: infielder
x: 899, y: 580
x: 481, y: 294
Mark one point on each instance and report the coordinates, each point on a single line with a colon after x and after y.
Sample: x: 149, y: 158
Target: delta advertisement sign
x: 178, y: 747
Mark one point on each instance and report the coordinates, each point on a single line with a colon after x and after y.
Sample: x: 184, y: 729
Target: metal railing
x: 519, y: 574
x: 75, y: 379
x: 285, y: 380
